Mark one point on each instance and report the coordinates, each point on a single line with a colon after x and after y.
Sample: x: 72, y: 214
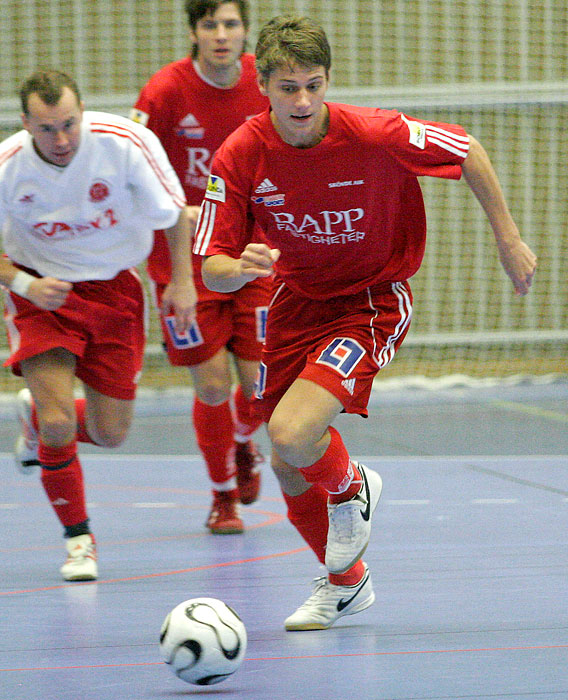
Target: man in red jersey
x: 345, y: 229
x: 192, y: 105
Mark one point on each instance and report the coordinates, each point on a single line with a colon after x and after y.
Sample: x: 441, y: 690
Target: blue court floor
x: 469, y: 560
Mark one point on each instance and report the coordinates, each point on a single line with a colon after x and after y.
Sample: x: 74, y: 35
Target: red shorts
x: 236, y: 322
x: 102, y: 323
x: 340, y: 343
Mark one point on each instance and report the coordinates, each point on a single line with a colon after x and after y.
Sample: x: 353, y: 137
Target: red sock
x: 308, y: 514
x: 82, y: 434
x: 62, y: 479
x: 245, y: 422
x: 351, y: 577
x: 214, y: 433
x: 334, y: 470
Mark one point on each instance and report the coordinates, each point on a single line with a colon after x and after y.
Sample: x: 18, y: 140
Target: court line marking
x: 416, y: 652
x: 159, y: 574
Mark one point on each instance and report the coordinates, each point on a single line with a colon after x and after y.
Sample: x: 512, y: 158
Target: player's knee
x: 289, y: 438
x: 111, y: 434
x: 57, y: 426
x: 213, y: 393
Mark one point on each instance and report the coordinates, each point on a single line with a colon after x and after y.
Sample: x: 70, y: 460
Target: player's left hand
x: 519, y: 263
x: 180, y: 298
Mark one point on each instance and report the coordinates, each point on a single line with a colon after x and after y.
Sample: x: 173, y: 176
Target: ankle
x: 351, y: 491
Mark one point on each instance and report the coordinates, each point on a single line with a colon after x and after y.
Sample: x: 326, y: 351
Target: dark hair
x: 196, y: 9
x: 48, y: 85
x: 289, y: 40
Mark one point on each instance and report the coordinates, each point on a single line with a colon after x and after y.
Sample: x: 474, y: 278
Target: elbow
x: 209, y: 279
x: 475, y: 152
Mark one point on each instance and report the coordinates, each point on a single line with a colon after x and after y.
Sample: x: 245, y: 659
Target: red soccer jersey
x: 347, y: 213
x: 192, y: 118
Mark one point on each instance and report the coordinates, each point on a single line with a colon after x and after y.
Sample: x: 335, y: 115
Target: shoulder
x: 167, y: 84
x: 248, y: 63
x: 171, y: 74
x: 14, y: 142
x: 11, y: 147
x: 250, y: 135
x: 121, y: 132
x: 363, y: 118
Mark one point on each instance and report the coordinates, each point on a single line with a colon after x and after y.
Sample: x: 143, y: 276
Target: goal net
x: 497, y: 67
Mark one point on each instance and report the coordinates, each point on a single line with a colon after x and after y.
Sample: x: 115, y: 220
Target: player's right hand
x: 257, y: 260
x: 48, y: 293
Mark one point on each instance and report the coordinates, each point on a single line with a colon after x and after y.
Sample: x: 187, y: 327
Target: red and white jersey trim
x: 454, y: 143
x: 204, y: 228
x: 124, y: 132
x: 9, y: 153
x: 384, y: 354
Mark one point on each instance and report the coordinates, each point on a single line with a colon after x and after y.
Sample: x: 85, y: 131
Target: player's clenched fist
x: 257, y: 260
x: 48, y: 293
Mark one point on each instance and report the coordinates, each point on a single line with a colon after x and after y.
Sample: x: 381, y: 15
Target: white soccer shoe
x: 350, y: 523
x: 81, y: 564
x: 27, y: 442
x: 329, y: 602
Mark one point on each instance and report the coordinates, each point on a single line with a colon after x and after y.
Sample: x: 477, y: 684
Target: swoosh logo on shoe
x: 366, y: 514
x: 343, y: 603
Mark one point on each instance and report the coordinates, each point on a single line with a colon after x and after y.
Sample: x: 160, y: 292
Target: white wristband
x: 21, y: 283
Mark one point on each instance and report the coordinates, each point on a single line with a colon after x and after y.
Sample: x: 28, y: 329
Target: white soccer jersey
x: 96, y: 216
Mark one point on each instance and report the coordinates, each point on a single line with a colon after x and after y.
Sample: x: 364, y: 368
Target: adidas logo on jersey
x: 190, y: 128
x: 189, y: 120
x: 349, y: 385
x: 265, y: 186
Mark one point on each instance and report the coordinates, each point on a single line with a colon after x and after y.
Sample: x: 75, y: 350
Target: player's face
x: 220, y: 38
x: 296, y: 96
x: 55, y: 129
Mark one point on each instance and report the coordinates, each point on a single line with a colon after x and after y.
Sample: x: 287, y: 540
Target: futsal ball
x: 203, y: 640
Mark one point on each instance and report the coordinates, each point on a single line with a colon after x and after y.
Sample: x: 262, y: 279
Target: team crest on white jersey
x: 99, y: 191
x: 190, y: 128
x: 215, y: 188
x: 265, y: 186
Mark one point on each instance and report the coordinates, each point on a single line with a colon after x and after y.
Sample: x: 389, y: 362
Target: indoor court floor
x: 469, y: 560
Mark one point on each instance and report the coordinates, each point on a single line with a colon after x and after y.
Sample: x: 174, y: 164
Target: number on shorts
x: 188, y: 339
x: 343, y: 354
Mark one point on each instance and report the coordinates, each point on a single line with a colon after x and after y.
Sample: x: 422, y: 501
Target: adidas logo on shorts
x: 349, y: 385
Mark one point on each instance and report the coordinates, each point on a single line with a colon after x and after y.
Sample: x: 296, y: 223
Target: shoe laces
x: 81, y: 550
x: 320, y: 588
x: 343, y: 519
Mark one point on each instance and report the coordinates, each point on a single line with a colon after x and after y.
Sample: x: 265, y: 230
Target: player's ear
x: 260, y: 81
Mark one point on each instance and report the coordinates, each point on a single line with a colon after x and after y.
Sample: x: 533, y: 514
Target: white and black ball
x: 203, y: 640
